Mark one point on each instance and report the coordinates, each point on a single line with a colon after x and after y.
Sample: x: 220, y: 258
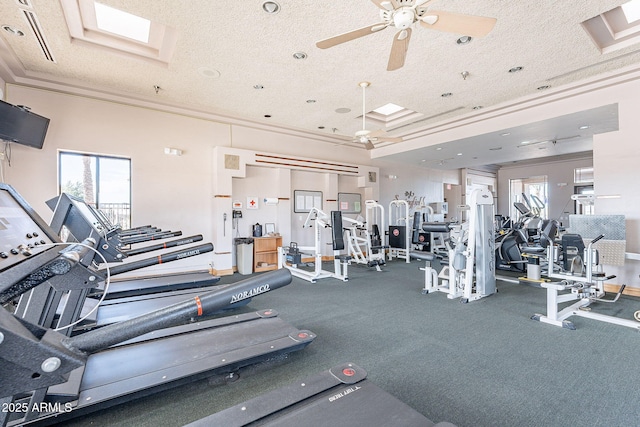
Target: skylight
x: 92, y: 22
x: 388, y: 109
x: 631, y: 10
x: 122, y: 23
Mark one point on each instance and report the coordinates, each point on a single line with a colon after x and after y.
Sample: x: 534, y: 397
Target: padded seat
x: 436, y: 227
x: 424, y: 256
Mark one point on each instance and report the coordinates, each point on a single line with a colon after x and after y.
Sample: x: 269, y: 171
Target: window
x: 533, y: 192
x: 101, y: 181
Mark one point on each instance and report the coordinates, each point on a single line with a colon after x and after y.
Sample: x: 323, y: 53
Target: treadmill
x: 47, y: 376
x: 339, y: 396
x: 81, y: 221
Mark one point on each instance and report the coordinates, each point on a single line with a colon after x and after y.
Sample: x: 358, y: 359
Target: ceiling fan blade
x: 351, y: 35
x: 369, y: 145
x: 385, y: 4
x: 381, y: 135
x: 399, y: 49
x: 421, y: 3
x: 466, y: 25
x: 377, y: 133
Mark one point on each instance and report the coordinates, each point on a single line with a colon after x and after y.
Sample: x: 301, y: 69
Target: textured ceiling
x: 250, y: 47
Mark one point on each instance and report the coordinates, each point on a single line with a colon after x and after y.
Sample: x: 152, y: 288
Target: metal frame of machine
x: 46, y: 374
x: 290, y: 257
x: 470, y: 273
x: 585, y: 288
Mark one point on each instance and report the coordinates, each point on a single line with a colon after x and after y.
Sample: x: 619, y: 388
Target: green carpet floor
x: 484, y: 363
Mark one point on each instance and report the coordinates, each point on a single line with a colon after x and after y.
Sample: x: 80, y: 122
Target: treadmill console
x: 22, y: 231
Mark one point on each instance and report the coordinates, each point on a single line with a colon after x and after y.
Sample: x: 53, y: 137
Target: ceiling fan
x: 554, y: 141
x: 368, y: 137
x: 402, y: 14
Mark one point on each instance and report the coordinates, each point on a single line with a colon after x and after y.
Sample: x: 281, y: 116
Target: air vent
x: 34, y: 24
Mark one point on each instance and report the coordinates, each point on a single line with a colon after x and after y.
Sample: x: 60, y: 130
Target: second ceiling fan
x: 402, y: 14
x: 368, y: 137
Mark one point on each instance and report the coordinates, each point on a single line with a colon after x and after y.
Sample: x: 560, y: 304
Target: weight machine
x: 470, y: 273
x: 585, y: 283
x: 399, y: 225
x: 290, y: 257
x: 372, y: 241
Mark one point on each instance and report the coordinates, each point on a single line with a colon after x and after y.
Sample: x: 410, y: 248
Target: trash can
x: 244, y: 255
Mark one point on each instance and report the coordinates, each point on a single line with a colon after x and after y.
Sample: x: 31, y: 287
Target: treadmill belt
x: 154, y: 284
x: 117, y: 310
x: 339, y: 396
x: 215, y: 346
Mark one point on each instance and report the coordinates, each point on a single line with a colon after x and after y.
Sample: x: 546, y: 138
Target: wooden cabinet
x: 265, y: 253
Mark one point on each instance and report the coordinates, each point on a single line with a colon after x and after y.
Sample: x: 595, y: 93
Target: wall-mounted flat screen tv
x: 17, y: 124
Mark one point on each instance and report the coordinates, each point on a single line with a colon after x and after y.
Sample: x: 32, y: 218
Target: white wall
x: 423, y: 182
x: 616, y: 164
x: 168, y: 191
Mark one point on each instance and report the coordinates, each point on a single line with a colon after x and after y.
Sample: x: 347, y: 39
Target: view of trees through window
x: 101, y: 181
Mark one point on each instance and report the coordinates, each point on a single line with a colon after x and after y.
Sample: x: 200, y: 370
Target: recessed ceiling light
x: 311, y: 101
x: 300, y: 55
x: 505, y: 134
x: 464, y: 40
x: 271, y: 7
x: 209, y: 72
x: 459, y: 154
x: 320, y: 127
x: 343, y: 110
x: 267, y: 115
x: 515, y: 69
x: 446, y: 94
x: 543, y: 87
x: 495, y: 149
x: 478, y: 107
x: 11, y: 30
x: 438, y: 148
x: 584, y: 127
x: 258, y: 87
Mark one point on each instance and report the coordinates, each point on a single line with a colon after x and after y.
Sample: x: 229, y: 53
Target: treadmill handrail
x: 178, y: 314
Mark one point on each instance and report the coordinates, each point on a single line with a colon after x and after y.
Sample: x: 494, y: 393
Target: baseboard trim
x: 629, y: 290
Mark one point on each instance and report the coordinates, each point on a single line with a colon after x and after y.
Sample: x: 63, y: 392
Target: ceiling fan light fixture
x: 404, y: 18
x: 271, y: 7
